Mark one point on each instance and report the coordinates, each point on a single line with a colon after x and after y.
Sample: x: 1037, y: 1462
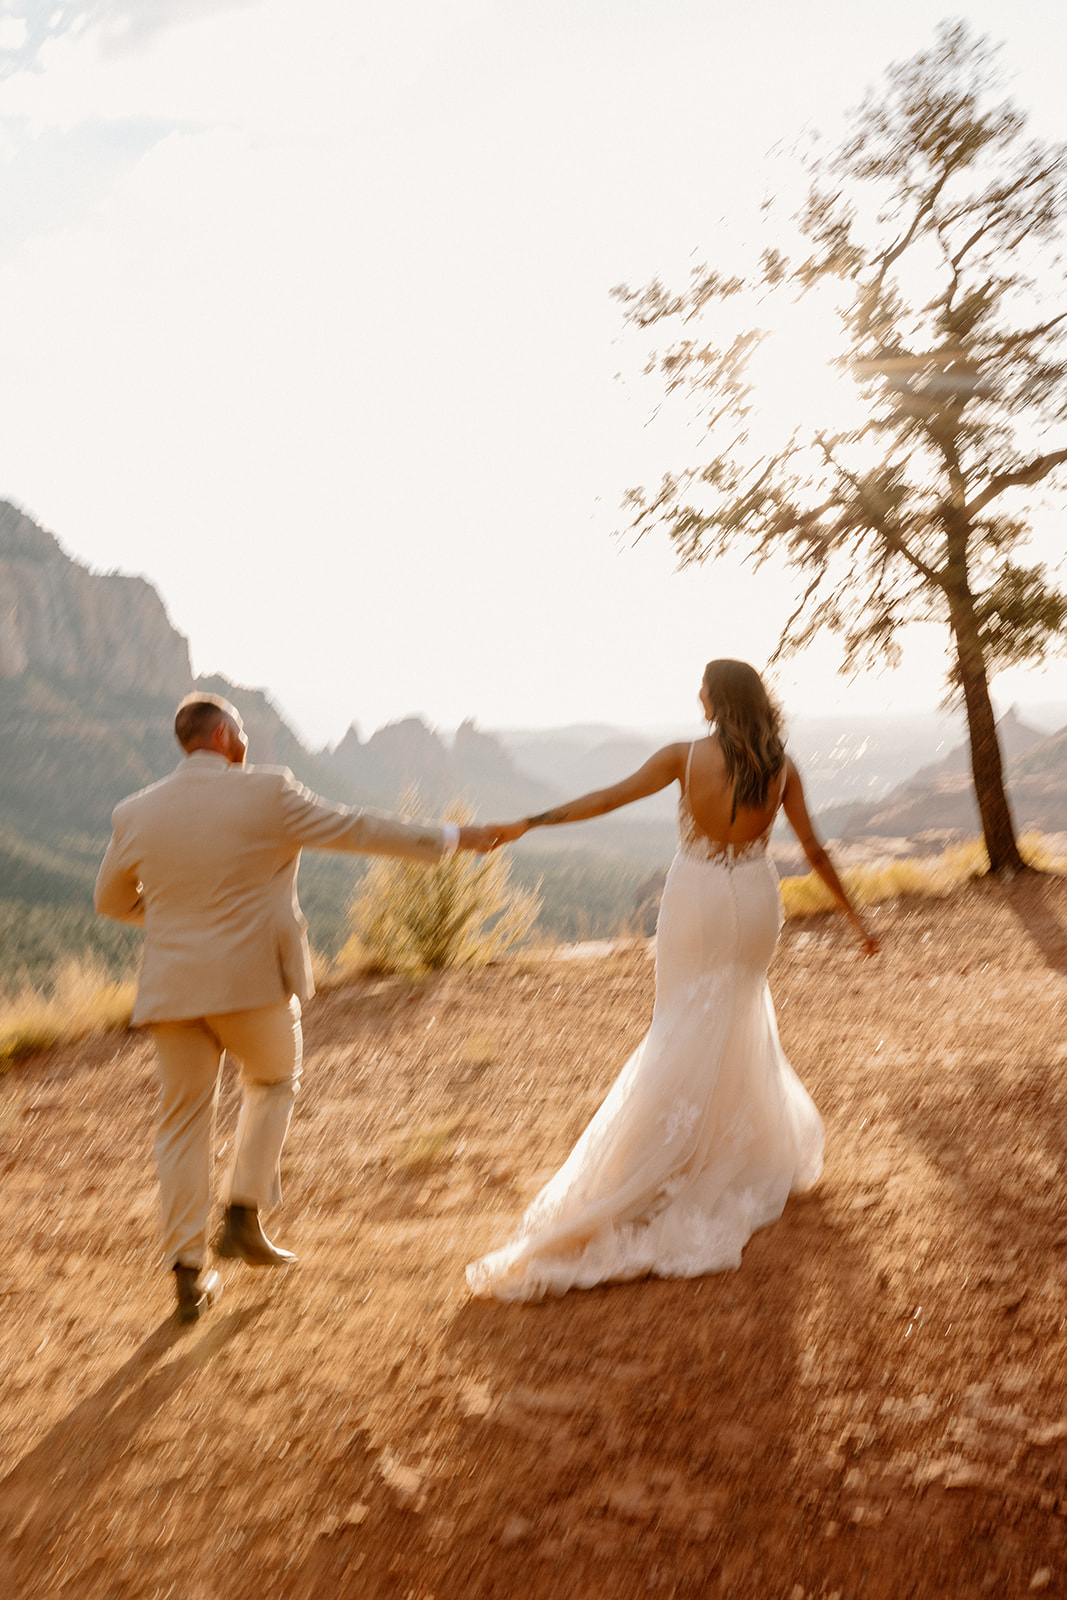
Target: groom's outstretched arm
x: 309, y: 820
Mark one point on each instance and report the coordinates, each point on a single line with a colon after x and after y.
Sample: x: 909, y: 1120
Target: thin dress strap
x: 688, y: 765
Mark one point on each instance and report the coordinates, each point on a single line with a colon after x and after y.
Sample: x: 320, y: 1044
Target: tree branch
x: 1033, y: 472
x: 892, y: 538
x: 787, y: 625
x: 1025, y: 335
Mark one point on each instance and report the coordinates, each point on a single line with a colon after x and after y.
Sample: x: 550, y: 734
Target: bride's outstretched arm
x: 796, y: 809
x: 659, y: 770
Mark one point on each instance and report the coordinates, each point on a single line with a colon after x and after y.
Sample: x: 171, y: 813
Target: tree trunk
x: 986, y: 764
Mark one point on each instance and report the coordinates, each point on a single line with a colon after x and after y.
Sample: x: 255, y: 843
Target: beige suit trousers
x: 267, y: 1044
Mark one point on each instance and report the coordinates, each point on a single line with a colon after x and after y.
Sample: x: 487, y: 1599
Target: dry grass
x: 82, y: 999
x: 924, y: 877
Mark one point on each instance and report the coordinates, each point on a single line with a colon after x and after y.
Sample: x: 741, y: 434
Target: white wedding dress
x: 707, y: 1130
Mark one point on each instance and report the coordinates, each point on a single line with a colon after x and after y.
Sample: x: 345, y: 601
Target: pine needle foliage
x: 463, y: 912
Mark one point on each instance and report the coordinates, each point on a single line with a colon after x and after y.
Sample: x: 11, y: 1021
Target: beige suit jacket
x: 206, y: 861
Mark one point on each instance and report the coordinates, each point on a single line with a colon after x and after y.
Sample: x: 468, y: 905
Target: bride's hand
x: 505, y: 832
x: 867, y: 939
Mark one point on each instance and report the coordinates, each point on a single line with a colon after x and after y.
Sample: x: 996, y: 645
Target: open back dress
x: 707, y: 1129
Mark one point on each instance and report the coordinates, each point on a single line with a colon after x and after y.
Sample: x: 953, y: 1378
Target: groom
x: 206, y: 862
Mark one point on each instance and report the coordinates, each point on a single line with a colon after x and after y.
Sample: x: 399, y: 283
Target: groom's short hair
x: 198, y: 714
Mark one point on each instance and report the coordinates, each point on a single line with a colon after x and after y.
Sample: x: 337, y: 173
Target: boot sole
x: 231, y: 1252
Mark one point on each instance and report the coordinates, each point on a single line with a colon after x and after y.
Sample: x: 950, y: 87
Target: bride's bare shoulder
x: 669, y: 762
x: 673, y: 753
x: 708, y: 756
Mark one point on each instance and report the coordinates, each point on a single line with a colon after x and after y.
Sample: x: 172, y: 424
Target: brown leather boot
x: 242, y: 1239
x: 197, y: 1289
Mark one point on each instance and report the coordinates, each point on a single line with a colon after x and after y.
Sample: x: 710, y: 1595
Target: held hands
x: 508, y: 832
x: 488, y: 836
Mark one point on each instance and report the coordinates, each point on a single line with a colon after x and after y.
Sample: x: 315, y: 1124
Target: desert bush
x: 930, y: 877
x: 81, y: 998
x: 463, y: 912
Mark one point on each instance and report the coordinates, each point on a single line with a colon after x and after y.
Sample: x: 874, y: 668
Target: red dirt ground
x: 873, y: 1407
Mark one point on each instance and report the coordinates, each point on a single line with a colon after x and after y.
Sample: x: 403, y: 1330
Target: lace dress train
x: 707, y: 1129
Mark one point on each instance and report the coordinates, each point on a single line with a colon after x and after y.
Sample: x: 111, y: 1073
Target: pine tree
x: 938, y: 220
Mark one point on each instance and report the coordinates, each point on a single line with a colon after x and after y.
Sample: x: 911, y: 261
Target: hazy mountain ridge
x: 881, y: 777
x: 940, y: 799
x: 92, y: 661
x: 91, y: 669
x: 408, y: 754
x: 844, y: 761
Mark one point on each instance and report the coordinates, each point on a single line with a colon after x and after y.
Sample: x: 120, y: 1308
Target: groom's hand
x: 481, y: 838
x: 506, y: 832
x: 487, y: 836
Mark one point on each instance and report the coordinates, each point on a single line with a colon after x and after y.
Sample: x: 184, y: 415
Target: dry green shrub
x: 463, y: 912
x: 421, y: 1150
x: 82, y: 999
x: 929, y: 877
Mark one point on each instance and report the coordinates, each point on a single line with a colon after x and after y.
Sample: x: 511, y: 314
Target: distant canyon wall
x: 61, y: 620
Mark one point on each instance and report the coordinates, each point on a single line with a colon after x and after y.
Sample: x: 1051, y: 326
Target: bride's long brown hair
x: 749, y: 727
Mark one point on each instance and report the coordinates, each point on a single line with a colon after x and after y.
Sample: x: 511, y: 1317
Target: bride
x: 707, y: 1130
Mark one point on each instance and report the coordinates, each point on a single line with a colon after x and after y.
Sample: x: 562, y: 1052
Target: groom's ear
x: 228, y: 738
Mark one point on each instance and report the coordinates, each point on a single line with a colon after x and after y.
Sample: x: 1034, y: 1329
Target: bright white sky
x: 306, y: 317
